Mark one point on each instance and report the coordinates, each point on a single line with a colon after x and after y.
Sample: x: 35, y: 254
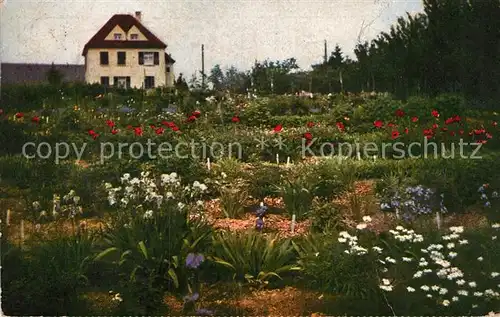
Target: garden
x: 268, y: 215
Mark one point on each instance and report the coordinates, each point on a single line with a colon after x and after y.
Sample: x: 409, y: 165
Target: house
x: 21, y: 73
x: 125, y: 53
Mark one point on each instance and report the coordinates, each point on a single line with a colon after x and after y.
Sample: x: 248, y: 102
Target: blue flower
x: 193, y: 261
x: 261, y: 211
x: 487, y: 204
x: 259, y: 224
x: 204, y: 312
x: 191, y: 298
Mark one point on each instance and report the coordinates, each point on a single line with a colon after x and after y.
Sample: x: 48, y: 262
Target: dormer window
x: 117, y: 36
x: 134, y: 36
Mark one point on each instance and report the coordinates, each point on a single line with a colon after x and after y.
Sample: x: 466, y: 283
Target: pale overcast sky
x: 234, y: 32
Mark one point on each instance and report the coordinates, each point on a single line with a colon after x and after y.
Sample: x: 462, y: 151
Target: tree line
x: 452, y: 46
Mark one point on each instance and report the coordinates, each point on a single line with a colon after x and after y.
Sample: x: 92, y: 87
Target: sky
x: 234, y: 32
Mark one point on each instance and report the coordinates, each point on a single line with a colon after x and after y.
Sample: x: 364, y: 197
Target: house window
x: 134, y: 36
x: 104, y: 58
x: 117, y: 36
x: 105, y: 81
x: 168, y: 69
x: 121, y: 57
x: 121, y: 82
x: 149, y: 82
x: 149, y: 58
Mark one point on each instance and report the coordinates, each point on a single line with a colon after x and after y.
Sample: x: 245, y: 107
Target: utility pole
x: 326, y: 54
x: 202, y: 67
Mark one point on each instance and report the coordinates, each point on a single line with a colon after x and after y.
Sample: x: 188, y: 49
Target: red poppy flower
x: 278, y: 128
x: 235, y: 119
x: 428, y: 133
x: 494, y: 122
x: 414, y: 119
x: 399, y: 113
x: 378, y: 124
x: 175, y: 128
x: 19, y: 115
x: 340, y: 126
x: 435, y: 113
x: 196, y: 113
x: 488, y: 136
x: 138, y: 131
x: 159, y: 130
x: 169, y: 124
x: 479, y: 131
x: 93, y: 134
x: 449, y: 121
x: 35, y: 119
x: 129, y: 127
x: 395, y: 134
x: 457, y: 118
x: 406, y: 130
x: 308, y: 136
x: 114, y: 131
x: 391, y: 125
x: 444, y: 129
x: 110, y: 123
x: 435, y: 126
x: 461, y: 132
x: 191, y: 118
x: 152, y: 126
x: 452, y: 133
x: 310, y: 124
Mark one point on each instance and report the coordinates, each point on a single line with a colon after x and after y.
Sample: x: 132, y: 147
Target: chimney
x: 138, y: 15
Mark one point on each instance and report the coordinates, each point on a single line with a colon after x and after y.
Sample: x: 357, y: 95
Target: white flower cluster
x: 364, y: 224
x: 401, y: 234
x: 352, y: 242
x: 146, y: 190
x: 435, y: 260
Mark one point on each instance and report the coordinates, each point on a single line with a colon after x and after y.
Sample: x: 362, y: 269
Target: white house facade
x: 126, y: 54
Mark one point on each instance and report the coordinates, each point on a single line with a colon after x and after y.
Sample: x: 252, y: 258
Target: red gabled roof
x: 125, y: 21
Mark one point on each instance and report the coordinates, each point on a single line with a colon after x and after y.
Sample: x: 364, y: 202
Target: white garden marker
x: 438, y: 220
x: 208, y: 163
x: 293, y: 223
x: 288, y: 161
x: 277, y: 158
x: 7, y: 220
x: 374, y: 158
x: 22, y: 231
x: 358, y: 155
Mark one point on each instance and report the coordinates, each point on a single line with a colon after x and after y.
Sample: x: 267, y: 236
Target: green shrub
x: 252, y: 257
x: 48, y: 276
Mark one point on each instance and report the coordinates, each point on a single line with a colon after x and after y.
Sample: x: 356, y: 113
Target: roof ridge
x: 126, y: 22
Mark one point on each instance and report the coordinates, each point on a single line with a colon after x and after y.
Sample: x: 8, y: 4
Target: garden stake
x: 288, y: 161
x: 438, y: 220
x: 293, y: 223
x: 22, y: 232
x: 358, y: 155
x: 277, y: 158
x: 7, y: 221
x: 208, y: 163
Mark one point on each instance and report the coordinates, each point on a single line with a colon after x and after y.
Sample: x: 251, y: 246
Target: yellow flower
x: 76, y: 108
